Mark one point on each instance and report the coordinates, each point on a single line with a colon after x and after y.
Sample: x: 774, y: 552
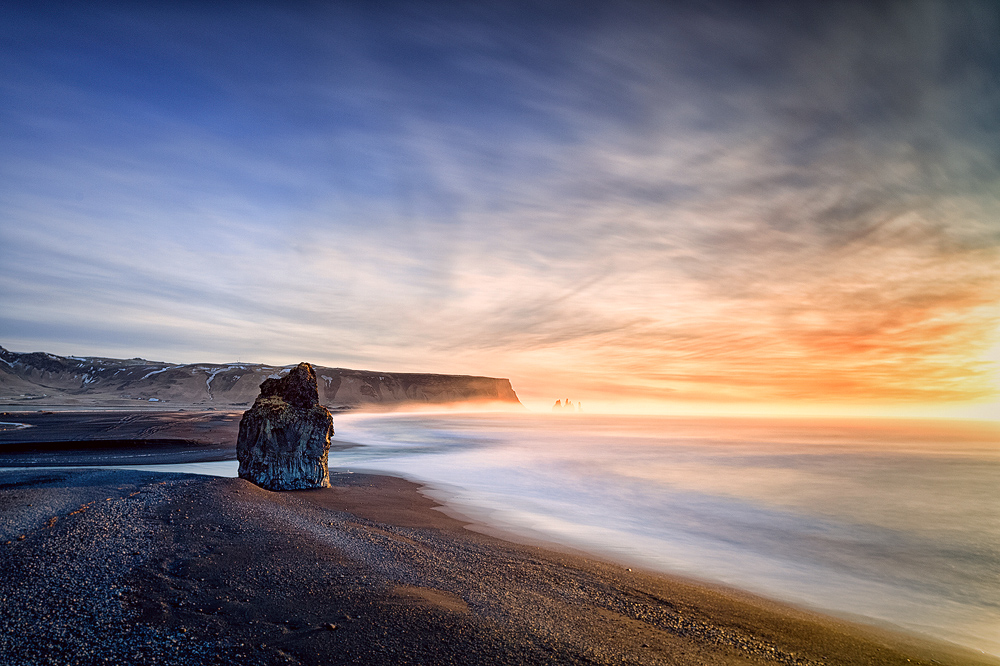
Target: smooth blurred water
x: 893, y: 521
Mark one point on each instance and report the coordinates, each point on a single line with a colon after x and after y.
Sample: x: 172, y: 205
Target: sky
x: 682, y: 207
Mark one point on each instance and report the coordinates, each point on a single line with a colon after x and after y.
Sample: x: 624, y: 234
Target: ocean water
x: 887, y: 521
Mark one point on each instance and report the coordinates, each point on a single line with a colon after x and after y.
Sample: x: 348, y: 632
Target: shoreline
x: 260, y: 576
x: 86, y: 448
x: 475, y: 520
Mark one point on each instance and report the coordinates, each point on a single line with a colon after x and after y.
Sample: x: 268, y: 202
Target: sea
x: 894, y: 522
x: 887, y: 522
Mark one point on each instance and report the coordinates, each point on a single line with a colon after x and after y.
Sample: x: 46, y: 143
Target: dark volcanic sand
x: 111, y: 566
x: 118, y: 438
x: 69, y: 439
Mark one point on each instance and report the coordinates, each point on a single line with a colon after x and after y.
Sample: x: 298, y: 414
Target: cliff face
x: 47, y: 379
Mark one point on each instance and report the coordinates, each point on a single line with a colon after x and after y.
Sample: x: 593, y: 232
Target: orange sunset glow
x: 655, y: 211
x: 545, y: 332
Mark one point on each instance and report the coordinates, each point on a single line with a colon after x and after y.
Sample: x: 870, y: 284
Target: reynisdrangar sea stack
x: 284, y: 438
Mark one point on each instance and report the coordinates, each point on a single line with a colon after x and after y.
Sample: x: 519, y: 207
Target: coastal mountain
x: 46, y: 379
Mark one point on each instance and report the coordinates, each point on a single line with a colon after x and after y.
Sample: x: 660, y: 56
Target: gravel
x: 63, y: 558
x: 102, y: 566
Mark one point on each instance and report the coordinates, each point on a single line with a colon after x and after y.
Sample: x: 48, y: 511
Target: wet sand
x: 117, y: 437
x: 114, y: 566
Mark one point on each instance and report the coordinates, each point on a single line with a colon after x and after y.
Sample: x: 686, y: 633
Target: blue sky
x: 618, y: 202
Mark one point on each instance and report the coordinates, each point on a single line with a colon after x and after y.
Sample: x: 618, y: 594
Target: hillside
x: 46, y: 379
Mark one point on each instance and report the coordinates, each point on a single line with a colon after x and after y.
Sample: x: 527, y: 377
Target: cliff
x: 47, y: 379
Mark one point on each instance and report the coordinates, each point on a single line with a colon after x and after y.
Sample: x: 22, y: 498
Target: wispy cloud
x: 796, y: 203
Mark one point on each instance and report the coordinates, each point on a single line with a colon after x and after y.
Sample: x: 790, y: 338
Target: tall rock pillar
x: 284, y: 438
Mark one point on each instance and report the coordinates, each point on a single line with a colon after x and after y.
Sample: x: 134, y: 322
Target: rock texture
x: 285, y: 437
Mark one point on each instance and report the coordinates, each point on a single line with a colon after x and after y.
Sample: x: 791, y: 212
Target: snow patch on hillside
x: 156, y: 372
x: 211, y: 376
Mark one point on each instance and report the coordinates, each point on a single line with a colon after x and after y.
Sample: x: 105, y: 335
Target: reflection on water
x: 895, y: 521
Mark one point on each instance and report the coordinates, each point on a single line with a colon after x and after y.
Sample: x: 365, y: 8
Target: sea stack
x: 284, y: 438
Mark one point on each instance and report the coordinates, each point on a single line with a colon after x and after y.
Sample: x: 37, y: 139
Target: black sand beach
x: 103, y: 566
x: 117, y: 437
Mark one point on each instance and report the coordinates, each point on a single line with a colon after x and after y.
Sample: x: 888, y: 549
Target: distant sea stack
x: 46, y: 379
x: 284, y: 438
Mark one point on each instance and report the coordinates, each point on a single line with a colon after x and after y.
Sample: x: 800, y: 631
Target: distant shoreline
x: 135, y: 383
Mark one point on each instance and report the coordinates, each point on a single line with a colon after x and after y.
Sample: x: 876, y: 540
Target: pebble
x: 60, y: 582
